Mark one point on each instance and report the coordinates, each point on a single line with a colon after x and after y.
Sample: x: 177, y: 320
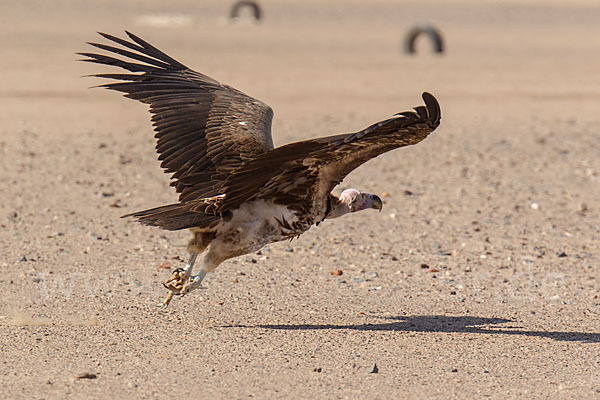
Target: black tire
x: 235, y: 10
x: 431, y: 32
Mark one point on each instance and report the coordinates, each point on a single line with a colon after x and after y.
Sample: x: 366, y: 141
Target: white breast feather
x: 255, y: 222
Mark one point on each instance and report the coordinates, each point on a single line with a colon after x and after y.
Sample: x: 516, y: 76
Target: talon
x: 167, y: 300
x: 179, y: 282
x: 176, y: 284
x: 186, y: 288
x: 174, y: 277
x: 172, y: 288
x: 189, y: 286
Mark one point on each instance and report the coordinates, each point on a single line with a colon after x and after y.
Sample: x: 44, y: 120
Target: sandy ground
x: 480, y: 278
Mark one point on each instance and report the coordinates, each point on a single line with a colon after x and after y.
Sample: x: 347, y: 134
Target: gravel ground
x: 480, y: 278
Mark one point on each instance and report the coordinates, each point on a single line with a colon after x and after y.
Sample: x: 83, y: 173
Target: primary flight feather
x: 237, y: 193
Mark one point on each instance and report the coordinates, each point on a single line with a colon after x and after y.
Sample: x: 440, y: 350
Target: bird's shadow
x: 440, y: 323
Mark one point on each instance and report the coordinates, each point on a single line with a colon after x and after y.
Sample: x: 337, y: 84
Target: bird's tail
x: 173, y: 217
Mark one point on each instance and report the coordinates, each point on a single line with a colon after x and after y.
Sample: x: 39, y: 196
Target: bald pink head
x: 352, y: 200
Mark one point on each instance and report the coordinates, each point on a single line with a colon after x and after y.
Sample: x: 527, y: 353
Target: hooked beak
x: 376, y: 203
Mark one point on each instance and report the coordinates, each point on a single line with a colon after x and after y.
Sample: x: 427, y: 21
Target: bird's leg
x: 210, y: 262
x: 184, y: 284
x: 195, y: 282
x: 180, y: 276
x: 187, y: 270
x: 183, y: 276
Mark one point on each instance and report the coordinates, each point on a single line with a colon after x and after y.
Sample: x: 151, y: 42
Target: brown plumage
x: 216, y: 142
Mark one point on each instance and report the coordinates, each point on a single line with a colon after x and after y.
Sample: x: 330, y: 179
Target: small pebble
x: 12, y: 217
x: 319, y: 369
x: 535, y: 206
x: 454, y: 370
x: 373, y: 369
x: 453, y: 293
x: 117, y: 204
x: 337, y: 272
x: 165, y: 265
x: 86, y: 375
x: 561, y: 254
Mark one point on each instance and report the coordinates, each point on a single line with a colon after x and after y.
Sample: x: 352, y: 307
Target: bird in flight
x: 237, y: 192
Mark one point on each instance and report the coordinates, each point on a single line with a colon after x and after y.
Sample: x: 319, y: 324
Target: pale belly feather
x: 253, y: 226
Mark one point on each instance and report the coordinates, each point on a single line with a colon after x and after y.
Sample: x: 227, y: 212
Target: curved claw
x: 190, y: 285
x: 181, y: 283
x: 176, y: 284
x: 167, y: 300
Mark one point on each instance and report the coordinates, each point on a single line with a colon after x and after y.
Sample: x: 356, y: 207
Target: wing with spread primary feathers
x: 205, y: 129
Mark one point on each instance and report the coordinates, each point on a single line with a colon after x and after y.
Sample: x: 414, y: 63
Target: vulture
x: 237, y: 192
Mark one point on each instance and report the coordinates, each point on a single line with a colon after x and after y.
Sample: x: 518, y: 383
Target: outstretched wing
x: 205, y: 129
x: 299, y: 173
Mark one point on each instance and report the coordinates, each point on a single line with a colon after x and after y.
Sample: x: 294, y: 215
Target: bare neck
x: 337, y: 208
